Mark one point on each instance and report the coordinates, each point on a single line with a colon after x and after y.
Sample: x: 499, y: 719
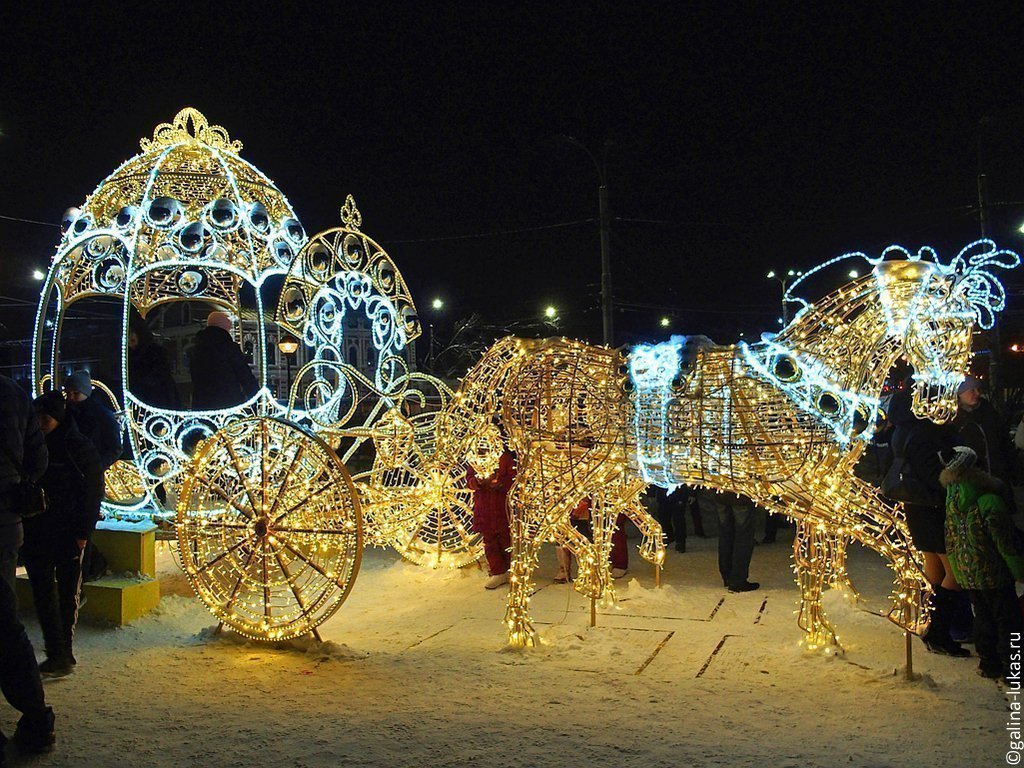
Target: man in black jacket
x: 54, y: 540
x: 221, y: 377
x: 22, y: 457
x: 92, y: 418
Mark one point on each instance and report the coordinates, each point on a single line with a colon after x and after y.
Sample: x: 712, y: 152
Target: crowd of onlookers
x: 956, y: 484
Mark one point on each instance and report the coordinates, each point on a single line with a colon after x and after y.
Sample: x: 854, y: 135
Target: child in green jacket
x: 981, y: 542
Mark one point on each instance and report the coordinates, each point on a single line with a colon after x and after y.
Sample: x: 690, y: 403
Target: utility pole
x: 607, y: 321
x: 995, y: 338
x: 605, y: 219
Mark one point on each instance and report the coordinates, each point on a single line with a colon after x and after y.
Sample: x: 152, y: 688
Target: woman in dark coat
x: 916, y: 445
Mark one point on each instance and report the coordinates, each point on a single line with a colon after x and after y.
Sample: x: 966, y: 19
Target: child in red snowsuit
x: 490, y: 516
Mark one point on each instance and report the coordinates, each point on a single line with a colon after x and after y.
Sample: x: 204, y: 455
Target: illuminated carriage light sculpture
x: 268, y: 520
x: 782, y: 422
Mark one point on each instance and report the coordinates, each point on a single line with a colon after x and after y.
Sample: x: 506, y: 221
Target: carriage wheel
x: 439, y: 533
x: 269, y: 528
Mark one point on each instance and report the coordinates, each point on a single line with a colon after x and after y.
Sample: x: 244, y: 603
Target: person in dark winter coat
x: 735, y: 542
x: 54, y: 540
x: 92, y: 418
x: 23, y: 457
x: 221, y: 376
x: 918, y: 443
x: 980, y: 427
x: 490, y: 516
x: 149, y: 372
x: 985, y: 556
x: 671, y: 513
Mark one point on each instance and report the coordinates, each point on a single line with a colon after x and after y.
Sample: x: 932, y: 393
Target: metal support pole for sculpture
x: 910, y: 655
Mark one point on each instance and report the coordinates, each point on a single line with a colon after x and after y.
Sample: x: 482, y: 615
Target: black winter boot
x: 937, y: 638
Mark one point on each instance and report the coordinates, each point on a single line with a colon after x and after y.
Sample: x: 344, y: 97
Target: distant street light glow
x: 665, y: 322
x: 550, y: 312
x: 437, y: 304
x: 854, y: 273
x: 38, y: 274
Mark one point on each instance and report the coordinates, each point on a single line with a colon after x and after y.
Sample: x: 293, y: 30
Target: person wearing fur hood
x: 985, y: 553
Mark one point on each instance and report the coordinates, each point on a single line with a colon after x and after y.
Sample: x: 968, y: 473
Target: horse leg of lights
x: 863, y: 515
x: 652, y: 545
x: 565, y: 535
x: 604, y: 515
x: 521, y: 632
x: 811, y: 554
x: 836, y: 575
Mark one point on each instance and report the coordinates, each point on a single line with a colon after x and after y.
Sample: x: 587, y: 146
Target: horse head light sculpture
x: 930, y: 311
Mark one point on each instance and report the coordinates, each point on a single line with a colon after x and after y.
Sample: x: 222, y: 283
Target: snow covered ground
x: 414, y: 672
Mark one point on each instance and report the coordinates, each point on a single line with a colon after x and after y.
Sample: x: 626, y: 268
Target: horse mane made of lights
x: 270, y: 525
x: 782, y: 422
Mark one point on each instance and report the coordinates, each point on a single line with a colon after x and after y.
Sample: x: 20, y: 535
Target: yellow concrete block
x: 112, y: 599
x: 128, y: 547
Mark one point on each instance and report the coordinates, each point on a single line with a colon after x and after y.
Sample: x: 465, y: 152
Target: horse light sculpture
x: 782, y: 422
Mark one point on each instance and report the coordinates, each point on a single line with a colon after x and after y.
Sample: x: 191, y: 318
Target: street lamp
x: 665, y: 322
x: 550, y: 313
x: 38, y: 274
x: 288, y: 345
x: 437, y: 305
x: 784, y: 280
x: 605, y: 226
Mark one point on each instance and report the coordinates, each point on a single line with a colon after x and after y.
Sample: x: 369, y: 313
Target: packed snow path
x: 414, y: 672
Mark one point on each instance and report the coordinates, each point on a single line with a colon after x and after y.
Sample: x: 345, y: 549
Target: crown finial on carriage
x: 350, y: 215
x: 190, y: 126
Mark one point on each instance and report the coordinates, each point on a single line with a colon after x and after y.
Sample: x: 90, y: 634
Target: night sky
x: 744, y: 137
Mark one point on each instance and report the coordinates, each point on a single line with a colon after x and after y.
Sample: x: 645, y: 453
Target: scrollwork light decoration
x: 783, y: 422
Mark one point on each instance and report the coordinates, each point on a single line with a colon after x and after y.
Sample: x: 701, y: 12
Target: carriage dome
x: 186, y: 217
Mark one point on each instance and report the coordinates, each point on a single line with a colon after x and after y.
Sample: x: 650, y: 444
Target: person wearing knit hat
x: 55, y: 539
x: 221, y: 377
x: 980, y: 426
x: 51, y: 409
x: 985, y: 555
x: 958, y: 458
x: 93, y: 419
x: 79, y: 382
